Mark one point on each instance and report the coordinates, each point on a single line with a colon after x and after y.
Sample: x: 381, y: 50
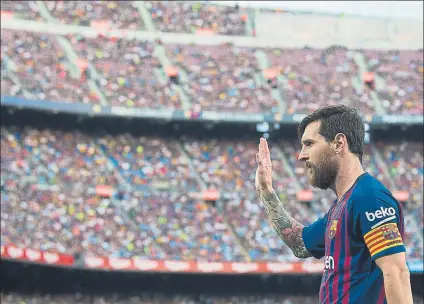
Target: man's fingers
x: 264, y: 152
x: 259, y: 160
x: 264, y: 164
x: 260, y: 149
x: 264, y: 144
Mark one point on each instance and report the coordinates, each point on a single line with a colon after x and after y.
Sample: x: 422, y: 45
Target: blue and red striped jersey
x: 365, y: 224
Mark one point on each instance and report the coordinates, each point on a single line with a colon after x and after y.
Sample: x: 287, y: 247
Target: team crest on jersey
x: 333, y: 229
x: 389, y: 232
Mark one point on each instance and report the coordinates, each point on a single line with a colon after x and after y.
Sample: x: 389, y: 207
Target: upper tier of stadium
x: 135, y: 72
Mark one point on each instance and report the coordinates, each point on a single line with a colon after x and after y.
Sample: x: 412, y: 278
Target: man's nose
x: 303, y: 156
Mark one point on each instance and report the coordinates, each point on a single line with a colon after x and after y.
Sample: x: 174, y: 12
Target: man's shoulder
x: 369, y: 193
x: 370, y: 187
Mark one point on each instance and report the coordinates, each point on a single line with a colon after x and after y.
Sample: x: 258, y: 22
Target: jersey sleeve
x: 379, y: 220
x: 314, y: 237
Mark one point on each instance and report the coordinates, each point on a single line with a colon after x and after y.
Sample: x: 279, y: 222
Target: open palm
x: 263, y: 180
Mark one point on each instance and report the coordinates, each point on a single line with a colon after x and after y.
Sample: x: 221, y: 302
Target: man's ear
x: 340, y: 142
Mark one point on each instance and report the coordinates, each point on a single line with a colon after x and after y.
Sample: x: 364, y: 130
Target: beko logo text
x: 383, y: 212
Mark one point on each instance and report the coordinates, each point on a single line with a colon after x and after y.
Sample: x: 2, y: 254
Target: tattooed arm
x: 289, y: 230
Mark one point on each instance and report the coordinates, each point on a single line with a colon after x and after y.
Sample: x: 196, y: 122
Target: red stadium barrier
x: 36, y: 256
x: 7, y: 15
x: 138, y: 264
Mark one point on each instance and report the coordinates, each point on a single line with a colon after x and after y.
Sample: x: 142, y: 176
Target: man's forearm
x: 397, y: 287
x: 289, y: 230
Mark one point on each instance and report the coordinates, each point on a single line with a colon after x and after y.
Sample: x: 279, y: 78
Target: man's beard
x: 323, y: 174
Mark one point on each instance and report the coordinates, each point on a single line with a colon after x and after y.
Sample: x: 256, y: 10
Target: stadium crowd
x: 27, y: 10
x: 50, y: 179
x: 222, y: 77
x: 188, y: 17
x: 42, y: 68
x: 403, y: 76
x: 129, y: 73
x: 318, y: 77
x: 119, y: 14
x: 61, y: 172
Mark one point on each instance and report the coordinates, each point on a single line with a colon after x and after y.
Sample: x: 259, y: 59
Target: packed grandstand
x: 124, y: 201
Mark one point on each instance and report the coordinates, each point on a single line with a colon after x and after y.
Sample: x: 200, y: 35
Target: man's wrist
x: 267, y: 191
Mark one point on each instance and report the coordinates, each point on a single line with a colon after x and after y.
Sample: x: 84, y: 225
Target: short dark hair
x: 338, y: 119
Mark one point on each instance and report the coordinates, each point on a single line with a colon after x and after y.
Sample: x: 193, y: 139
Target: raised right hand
x: 263, y: 180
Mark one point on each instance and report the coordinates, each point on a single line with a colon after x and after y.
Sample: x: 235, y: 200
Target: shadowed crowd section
x: 51, y: 201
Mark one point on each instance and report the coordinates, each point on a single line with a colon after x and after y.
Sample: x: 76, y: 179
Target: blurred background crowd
x: 61, y: 170
x: 49, y: 177
x: 218, y: 77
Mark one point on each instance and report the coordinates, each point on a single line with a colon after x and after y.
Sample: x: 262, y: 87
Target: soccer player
x: 360, y: 237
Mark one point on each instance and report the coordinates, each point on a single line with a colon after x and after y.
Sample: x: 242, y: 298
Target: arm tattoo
x: 289, y: 230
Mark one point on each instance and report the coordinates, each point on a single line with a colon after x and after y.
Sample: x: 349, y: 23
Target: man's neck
x: 347, y: 176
